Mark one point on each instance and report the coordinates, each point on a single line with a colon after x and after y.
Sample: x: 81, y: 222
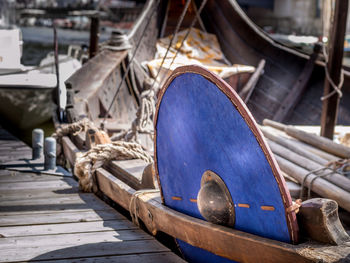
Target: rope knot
x: 295, y: 206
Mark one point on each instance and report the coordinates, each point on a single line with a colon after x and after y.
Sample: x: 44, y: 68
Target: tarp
x: 199, y: 48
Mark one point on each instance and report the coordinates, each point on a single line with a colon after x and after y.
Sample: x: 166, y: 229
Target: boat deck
x: 45, y: 218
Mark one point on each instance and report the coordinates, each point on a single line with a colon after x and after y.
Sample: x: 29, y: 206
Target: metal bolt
x: 50, y: 153
x: 37, y: 143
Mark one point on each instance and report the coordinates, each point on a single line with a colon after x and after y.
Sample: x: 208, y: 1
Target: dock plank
x: 57, y: 184
x: 26, y: 177
x: 34, y: 194
x: 58, y: 218
x: 144, y: 258
x: 54, y: 252
x: 46, y: 218
x: 81, y: 227
x: 56, y: 203
x: 72, y: 239
x: 11, y: 148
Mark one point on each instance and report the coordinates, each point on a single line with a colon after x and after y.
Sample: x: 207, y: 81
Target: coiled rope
x: 87, y: 163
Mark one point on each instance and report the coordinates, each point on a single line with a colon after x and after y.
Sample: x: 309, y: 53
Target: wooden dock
x: 44, y: 218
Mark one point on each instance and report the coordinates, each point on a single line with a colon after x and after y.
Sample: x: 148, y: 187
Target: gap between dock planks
x: 46, y: 218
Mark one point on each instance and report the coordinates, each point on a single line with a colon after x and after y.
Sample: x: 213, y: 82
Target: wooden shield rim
x: 237, y: 102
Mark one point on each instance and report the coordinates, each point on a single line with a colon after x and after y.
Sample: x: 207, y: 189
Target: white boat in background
x: 26, y: 93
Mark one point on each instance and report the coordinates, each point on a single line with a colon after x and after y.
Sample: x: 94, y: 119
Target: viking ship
x: 213, y: 184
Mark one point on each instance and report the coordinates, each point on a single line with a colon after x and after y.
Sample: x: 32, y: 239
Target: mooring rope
x: 87, y: 163
x: 133, y: 208
x: 72, y: 128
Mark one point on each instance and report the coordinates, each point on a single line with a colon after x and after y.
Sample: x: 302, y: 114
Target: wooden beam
x: 214, y: 238
x: 220, y: 240
x: 324, y: 144
x: 334, y: 67
x: 248, y: 89
x: 319, y: 186
x: 333, y: 177
x: 69, y: 150
x: 285, y: 142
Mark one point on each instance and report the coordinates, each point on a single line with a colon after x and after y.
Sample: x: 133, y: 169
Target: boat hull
x: 26, y: 108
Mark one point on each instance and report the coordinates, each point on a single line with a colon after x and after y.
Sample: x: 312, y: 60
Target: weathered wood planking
x: 14, y: 176
x: 66, y: 228
x: 11, y: 148
x: 219, y: 238
x: 129, y: 171
x: 298, y: 88
x: 195, y: 231
x: 59, y: 184
x: 58, y: 218
x: 89, y: 249
x: 74, y: 239
x: 34, y: 194
x: 56, y: 203
x: 45, y: 217
x: 144, y: 258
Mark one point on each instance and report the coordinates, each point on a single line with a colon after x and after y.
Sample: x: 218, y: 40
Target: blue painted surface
x: 199, y: 129
x: 196, y: 255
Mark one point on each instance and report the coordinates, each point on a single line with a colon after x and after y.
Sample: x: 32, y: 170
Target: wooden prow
x: 318, y: 219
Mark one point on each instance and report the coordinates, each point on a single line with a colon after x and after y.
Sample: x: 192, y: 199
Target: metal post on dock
x: 50, y: 153
x: 94, y: 35
x: 37, y: 143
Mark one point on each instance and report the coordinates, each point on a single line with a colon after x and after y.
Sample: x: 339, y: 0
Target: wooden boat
x: 91, y: 91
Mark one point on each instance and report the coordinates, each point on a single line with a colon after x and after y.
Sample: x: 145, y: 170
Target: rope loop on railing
x: 87, y: 163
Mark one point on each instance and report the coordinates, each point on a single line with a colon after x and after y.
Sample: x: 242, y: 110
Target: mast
x: 334, y: 66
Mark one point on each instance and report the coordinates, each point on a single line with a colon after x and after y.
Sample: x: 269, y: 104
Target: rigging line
x: 130, y: 62
x: 187, y: 33
x: 336, y: 88
x: 179, y: 22
x: 199, y: 18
